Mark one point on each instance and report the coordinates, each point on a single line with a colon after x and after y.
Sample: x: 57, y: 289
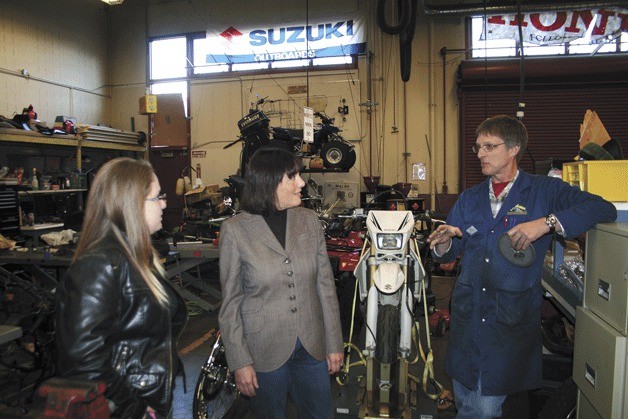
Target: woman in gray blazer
x: 279, y: 314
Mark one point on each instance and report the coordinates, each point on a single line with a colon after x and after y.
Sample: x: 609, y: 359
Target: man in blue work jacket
x: 495, y: 341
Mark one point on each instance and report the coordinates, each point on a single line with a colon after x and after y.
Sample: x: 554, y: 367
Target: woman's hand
x: 334, y: 362
x: 246, y: 380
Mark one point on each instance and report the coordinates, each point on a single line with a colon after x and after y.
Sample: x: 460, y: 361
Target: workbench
x: 46, y: 266
x: 182, y: 269
x: 186, y: 258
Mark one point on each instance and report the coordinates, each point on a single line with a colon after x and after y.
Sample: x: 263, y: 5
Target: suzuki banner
x: 247, y: 43
x: 558, y: 27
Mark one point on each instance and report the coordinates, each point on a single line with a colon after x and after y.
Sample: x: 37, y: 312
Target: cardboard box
x: 203, y: 193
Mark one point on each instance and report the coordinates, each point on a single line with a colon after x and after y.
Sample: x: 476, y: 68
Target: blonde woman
x: 117, y: 319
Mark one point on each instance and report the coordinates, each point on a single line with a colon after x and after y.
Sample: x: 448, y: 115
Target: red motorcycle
x: 344, y: 253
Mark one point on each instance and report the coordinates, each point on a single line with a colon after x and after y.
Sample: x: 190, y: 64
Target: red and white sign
x: 558, y: 27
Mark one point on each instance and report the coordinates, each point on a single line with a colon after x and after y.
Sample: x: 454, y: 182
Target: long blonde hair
x: 115, y: 206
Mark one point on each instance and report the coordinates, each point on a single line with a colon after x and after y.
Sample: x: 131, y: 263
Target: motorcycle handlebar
x: 232, y: 143
x: 352, y: 216
x: 217, y: 220
x: 326, y: 120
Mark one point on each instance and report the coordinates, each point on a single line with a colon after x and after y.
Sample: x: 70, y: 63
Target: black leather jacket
x: 111, y: 328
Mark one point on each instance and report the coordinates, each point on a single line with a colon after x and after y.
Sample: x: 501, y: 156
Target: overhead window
x: 168, y: 58
x: 587, y: 31
x: 173, y: 61
x: 168, y: 67
x: 236, y: 43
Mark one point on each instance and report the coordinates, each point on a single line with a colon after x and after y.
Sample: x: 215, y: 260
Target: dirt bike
x: 392, y: 282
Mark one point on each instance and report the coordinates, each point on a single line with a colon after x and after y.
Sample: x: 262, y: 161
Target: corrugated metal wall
x: 553, y: 114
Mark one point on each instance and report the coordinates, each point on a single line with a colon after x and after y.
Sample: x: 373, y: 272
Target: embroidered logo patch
x: 518, y: 210
x: 472, y: 230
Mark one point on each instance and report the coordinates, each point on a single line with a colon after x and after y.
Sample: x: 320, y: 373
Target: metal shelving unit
x: 31, y: 143
x: 9, y: 135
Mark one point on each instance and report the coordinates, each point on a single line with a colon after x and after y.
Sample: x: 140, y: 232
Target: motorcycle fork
x: 391, y: 398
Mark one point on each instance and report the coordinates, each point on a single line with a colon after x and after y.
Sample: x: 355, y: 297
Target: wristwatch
x: 551, y: 222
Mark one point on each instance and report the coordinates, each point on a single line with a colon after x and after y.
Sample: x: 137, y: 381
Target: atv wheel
x: 338, y: 155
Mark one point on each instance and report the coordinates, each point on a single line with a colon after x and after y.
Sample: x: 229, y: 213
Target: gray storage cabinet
x: 600, y: 363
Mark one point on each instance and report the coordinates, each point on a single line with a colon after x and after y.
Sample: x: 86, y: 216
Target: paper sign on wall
x: 308, y: 125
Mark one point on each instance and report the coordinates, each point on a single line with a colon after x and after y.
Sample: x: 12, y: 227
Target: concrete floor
x: 194, y: 347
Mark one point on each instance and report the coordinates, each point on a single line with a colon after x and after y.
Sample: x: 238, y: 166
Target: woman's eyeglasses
x: 487, y: 147
x: 160, y: 197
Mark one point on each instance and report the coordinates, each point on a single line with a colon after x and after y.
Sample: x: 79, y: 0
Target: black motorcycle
x: 216, y: 395
x: 28, y: 361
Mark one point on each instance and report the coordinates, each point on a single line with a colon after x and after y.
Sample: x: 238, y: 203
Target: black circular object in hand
x: 520, y: 258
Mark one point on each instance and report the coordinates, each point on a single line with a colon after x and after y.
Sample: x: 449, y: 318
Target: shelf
x: 15, y: 135
x: 336, y: 170
x: 567, y: 297
x: 43, y: 226
x: 111, y: 145
x: 49, y: 191
x: 31, y: 137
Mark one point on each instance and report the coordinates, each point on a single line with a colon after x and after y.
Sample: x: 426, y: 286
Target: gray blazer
x: 273, y: 295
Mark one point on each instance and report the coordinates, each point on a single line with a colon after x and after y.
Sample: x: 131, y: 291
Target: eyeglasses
x: 160, y: 197
x: 487, y: 147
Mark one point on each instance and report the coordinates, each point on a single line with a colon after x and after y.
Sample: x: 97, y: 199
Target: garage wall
x: 404, y: 126
x: 217, y: 105
x: 63, y: 47
x: 92, y: 60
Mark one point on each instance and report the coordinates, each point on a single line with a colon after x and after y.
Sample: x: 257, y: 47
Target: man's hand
x: 523, y: 234
x: 334, y: 362
x: 441, y: 237
x: 246, y: 380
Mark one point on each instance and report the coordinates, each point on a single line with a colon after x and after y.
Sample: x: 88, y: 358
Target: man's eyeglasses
x: 487, y: 147
x: 160, y: 197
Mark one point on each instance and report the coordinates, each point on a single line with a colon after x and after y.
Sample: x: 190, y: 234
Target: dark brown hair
x: 266, y: 169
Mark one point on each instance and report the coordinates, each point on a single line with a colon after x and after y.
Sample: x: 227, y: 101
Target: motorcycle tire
x: 215, y: 395
x: 387, y: 339
x: 441, y: 328
x: 338, y: 155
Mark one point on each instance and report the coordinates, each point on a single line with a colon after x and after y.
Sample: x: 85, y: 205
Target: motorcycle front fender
x: 372, y: 308
x: 361, y: 273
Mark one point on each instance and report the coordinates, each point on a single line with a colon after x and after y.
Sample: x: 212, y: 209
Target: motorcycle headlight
x: 389, y: 241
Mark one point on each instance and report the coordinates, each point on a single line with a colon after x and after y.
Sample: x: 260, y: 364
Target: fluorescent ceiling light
x: 112, y: 2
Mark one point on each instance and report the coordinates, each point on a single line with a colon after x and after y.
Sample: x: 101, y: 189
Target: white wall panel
x: 65, y: 55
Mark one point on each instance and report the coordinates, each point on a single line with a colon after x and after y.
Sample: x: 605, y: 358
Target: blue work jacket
x: 495, y: 319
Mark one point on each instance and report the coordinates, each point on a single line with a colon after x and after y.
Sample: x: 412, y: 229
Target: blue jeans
x: 472, y: 404
x: 304, y: 378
